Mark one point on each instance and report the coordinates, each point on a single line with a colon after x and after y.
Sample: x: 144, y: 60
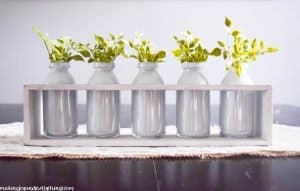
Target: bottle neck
x: 147, y: 67
x: 59, y: 66
x: 59, y: 74
x: 104, y: 67
x: 190, y: 67
x: 231, y: 78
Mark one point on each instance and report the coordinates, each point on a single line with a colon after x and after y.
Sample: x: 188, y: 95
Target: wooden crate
x: 33, y: 132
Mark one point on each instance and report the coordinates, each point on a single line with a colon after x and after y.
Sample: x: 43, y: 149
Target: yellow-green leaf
x: 221, y: 43
x: 238, y: 69
x: 262, y: 44
x: 225, y: 55
x: 272, y: 49
x: 77, y: 58
x: 236, y: 33
x: 228, y: 22
x: 216, y: 52
x: 254, y: 43
x: 176, y: 52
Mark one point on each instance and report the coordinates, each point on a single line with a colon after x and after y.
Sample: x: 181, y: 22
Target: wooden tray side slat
x: 146, y: 87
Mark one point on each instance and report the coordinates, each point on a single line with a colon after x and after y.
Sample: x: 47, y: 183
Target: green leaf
x: 238, y: 68
x: 225, y: 55
x: 131, y: 44
x: 90, y: 60
x: 99, y: 39
x: 254, y: 43
x: 221, y: 43
x: 85, y: 53
x: 272, y: 50
x: 76, y: 58
x: 133, y: 56
x: 161, y: 54
x: 235, y: 33
x: 175, y: 37
x: 262, y: 44
x: 228, y: 22
x: 177, y: 52
x: 120, y: 37
x: 216, y: 52
x: 112, y: 36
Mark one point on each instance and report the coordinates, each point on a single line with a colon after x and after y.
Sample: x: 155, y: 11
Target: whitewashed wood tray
x: 33, y: 123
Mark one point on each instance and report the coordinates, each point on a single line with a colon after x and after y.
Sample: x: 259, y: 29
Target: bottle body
x: 192, y: 106
x: 148, y: 106
x: 103, y: 107
x: 59, y: 106
x: 237, y: 108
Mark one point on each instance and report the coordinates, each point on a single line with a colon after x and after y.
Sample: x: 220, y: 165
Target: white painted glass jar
x: 237, y: 116
x: 148, y: 106
x: 192, y: 106
x: 103, y: 107
x: 59, y: 106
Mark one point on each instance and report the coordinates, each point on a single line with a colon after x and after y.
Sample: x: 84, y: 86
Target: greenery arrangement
x: 59, y: 50
x: 104, y: 50
x: 237, y: 52
x: 190, y: 49
x: 145, y: 52
x: 240, y: 50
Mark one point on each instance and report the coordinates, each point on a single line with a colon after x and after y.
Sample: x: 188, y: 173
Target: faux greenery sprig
x: 190, y: 49
x: 145, y: 52
x: 104, y: 50
x: 240, y: 50
x: 59, y: 50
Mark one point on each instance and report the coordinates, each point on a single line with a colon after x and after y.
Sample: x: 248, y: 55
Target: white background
x: 23, y: 58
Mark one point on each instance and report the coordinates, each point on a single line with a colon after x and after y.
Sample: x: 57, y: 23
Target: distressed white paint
x: 33, y: 124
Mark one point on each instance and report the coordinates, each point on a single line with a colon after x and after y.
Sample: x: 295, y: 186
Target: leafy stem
x: 59, y: 50
x: 239, y: 50
x: 144, y: 51
x: 190, y: 49
x: 104, y: 50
